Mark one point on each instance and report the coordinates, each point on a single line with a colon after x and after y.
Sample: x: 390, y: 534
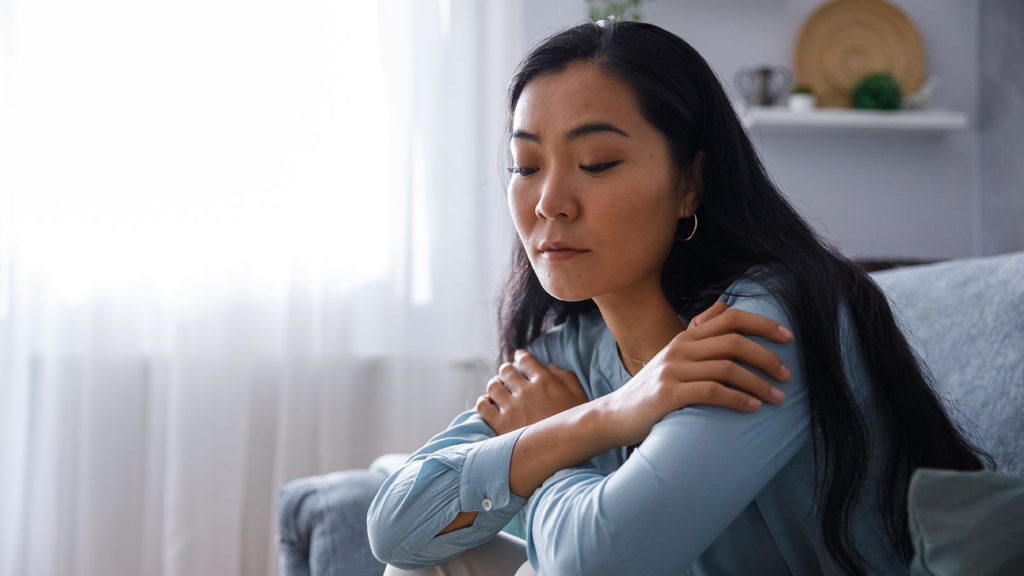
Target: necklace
x: 630, y: 358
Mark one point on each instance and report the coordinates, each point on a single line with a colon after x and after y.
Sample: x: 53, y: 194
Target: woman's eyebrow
x: 591, y: 128
x: 577, y: 132
x: 524, y: 135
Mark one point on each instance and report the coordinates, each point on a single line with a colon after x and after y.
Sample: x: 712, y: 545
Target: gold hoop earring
x: 692, y: 232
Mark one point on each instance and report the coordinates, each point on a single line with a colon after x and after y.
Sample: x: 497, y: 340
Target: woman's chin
x: 567, y: 293
x: 565, y: 284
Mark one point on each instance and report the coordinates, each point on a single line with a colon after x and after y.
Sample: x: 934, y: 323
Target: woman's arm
x: 453, y: 494
x: 699, y: 366
x: 463, y: 487
x: 693, y: 474
x: 457, y: 470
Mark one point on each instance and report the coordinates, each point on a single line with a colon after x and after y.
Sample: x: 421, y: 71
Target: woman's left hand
x: 514, y: 400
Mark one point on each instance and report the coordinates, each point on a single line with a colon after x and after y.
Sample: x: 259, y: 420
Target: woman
x: 663, y: 417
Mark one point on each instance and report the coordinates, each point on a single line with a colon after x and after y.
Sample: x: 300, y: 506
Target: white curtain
x: 240, y: 242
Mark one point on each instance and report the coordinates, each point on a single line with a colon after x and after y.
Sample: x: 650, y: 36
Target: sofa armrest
x: 388, y: 463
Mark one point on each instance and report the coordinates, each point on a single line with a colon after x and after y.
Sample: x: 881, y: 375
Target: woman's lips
x: 560, y: 254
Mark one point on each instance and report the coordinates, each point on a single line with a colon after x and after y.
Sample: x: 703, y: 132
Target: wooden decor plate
x: 844, y: 40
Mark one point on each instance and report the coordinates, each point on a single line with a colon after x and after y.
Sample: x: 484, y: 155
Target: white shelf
x: 834, y: 118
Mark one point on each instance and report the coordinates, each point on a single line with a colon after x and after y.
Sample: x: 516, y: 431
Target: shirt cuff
x: 483, y: 483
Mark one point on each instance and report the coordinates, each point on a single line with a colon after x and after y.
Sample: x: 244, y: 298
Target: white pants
x: 504, y: 555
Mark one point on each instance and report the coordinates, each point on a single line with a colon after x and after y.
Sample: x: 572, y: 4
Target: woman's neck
x: 642, y: 324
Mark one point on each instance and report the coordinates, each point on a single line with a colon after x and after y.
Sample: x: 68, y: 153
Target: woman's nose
x: 557, y: 198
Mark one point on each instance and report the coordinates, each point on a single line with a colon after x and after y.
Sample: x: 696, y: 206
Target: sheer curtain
x: 240, y: 242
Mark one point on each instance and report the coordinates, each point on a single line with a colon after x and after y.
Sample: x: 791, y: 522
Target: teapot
x: 764, y: 85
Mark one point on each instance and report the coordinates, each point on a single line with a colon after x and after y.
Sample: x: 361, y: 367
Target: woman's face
x: 594, y: 193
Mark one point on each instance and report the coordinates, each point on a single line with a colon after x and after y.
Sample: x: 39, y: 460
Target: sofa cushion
x: 966, y: 523
x: 966, y: 320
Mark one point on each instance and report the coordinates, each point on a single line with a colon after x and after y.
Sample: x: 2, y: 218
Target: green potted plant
x: 801, y: 98
x: 878, y: 91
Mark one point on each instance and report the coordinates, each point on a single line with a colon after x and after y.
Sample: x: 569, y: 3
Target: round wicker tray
x: 844, y: 40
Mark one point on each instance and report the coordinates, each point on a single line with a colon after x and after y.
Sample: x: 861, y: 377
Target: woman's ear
x: 692, y: 183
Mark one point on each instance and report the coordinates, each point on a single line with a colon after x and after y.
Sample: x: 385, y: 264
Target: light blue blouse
x: 709, y: 491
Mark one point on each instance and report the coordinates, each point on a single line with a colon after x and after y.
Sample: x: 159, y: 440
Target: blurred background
x: 244, y: 242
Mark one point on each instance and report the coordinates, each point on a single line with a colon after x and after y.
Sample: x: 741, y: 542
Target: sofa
x: 964, y: 317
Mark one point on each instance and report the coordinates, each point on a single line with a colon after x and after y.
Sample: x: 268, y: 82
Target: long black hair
x: 743, y: 222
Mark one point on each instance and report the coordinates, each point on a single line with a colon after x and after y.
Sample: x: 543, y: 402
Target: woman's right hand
x: 701, y: 365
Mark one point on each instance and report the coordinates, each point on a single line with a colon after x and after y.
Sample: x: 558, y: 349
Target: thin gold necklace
x: 634, y: 360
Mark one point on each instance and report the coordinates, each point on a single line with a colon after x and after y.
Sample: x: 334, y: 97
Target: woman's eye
x: 522, y: 170
x: 594, y: 168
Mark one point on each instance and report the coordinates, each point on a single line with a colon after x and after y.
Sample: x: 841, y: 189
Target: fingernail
x: 784, y: 372
x: 777, y: 395
x: 753, y: 404
x: 785, y: 332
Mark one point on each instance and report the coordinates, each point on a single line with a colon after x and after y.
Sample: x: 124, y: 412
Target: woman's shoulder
x: 756, y: 291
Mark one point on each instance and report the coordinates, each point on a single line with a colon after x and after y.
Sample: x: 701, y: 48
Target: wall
x: 874, y: 195
x: 1001, y: 126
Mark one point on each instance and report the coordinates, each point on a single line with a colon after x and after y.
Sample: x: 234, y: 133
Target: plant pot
x: 801, y: 102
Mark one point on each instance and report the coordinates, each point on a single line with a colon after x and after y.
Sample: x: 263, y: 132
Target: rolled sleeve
x: 464, y: 469
x: 483, y: 482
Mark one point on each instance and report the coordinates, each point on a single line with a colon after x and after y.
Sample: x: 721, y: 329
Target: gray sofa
x: 964, y: 317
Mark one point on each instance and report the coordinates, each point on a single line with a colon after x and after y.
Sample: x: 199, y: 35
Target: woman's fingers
x: 487, y: 410
x: 734, y: 376
x: 529, y: 364
x: 739, y: 348
x: 534, y: 371
x: 734, y: 320
x: 497, y: 391
x: 709, y: 392
x: 511, y: 377
x: 712, y: 311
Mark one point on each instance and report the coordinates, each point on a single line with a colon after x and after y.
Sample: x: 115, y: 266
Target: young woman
x: 692, y: 379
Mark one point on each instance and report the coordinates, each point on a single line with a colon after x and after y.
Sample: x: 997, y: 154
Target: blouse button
x: 487, y: 504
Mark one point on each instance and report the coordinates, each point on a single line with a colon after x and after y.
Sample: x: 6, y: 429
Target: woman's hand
x: 699, y: 366
x: 514, y: 400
